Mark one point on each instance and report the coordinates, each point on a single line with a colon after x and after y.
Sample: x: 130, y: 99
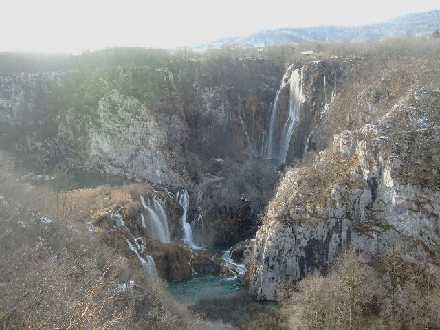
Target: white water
x: 295, y: 100
x: 143, y: 223
x: 119, y: 220
x: 157, y: 224
x: 183, y: 199
x: 138, y: 248
x: 273, y: 128
x: 148, y: 264
x: 278, y: 142
x: 239, y: 270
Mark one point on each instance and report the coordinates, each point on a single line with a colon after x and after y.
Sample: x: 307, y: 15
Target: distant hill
x: 412, y: 24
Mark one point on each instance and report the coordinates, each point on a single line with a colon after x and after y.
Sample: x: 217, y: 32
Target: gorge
x: 285, y: 176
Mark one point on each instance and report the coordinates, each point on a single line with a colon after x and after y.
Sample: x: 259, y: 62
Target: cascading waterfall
x: 119, y: 219
x: 158, y: 223
x: 138, y: 248
x: 279, y: 141
x: 183, y: 199
x: 238, y: 270
x: 121, y: 223
x: 274, y: 117
x: 199, y: 224
x: 148, y: 263
x: 295, y: 100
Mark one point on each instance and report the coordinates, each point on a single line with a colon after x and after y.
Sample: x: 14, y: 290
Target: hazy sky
x: 59, y: 25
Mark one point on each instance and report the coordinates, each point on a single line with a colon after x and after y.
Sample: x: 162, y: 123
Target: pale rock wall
x: 387, y: 200
x: 129, y: 142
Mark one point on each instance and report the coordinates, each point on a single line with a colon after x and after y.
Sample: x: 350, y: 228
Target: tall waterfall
x: 183, y: 199
x: 282, y: 124
x: 157, y: 223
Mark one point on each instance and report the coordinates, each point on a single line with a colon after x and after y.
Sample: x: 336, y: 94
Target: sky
x: 76, y: 25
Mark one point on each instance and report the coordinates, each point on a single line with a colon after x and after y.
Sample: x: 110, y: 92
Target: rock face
x: 228, y: 107
x: 129, y: 142
x: 376, y: 190
x: 24, y: 97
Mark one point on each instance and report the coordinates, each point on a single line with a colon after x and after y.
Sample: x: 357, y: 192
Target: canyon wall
x: 375, y: 190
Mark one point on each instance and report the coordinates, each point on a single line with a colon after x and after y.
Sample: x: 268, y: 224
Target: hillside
x: 416, y: 24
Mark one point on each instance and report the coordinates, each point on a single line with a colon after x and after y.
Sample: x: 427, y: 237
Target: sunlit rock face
x: 376, y: 190
x: 128, y: 141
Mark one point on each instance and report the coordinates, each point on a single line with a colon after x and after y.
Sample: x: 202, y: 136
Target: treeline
x: 425, y: 46
x: 34, y: 62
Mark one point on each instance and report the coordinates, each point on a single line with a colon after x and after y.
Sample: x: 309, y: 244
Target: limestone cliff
x: 376, y: 189
x: 126, y: 140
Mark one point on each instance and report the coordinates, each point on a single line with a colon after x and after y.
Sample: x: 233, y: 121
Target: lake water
x: 190, y: 291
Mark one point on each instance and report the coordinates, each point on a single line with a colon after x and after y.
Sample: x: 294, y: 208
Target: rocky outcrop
x: 128, y: 141
x: 376, y: 190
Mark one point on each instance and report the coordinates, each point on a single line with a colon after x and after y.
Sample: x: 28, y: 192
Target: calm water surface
x: 197, y: 287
